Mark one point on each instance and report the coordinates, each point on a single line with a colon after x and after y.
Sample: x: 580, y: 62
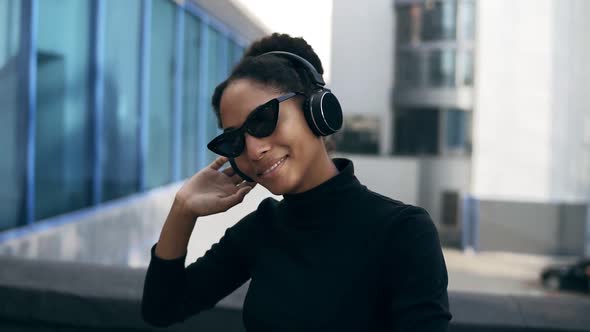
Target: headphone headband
x: 317, y: 77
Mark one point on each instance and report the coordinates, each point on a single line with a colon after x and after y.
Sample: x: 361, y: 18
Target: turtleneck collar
x: 321, y: 200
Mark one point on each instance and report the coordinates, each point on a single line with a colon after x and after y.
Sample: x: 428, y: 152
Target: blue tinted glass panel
x: 439, y: 20
x: 190, y: 97
x: 442, y: 68
x: 12, y: 126
x: 159, y: 152
x: 63, y: 164
x: 217, y: 71
x: 121, y: 117
x: 409, y: 20
x: 468, y: 19
x: 457, y: 127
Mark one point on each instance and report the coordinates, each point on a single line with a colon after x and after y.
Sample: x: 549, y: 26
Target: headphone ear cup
x: 309, y: 117
x: 323, y: 113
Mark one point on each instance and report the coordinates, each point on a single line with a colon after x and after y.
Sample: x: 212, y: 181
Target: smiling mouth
x: 274, y: 167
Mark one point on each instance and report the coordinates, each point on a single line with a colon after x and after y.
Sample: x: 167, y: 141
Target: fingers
x: 234, y: 177
x: 238, y: 196
x: 245, y: 183
x: 229, y: 171
x: 217, y: 163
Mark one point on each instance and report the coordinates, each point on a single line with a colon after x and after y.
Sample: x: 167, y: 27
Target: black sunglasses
x: 261, y: 122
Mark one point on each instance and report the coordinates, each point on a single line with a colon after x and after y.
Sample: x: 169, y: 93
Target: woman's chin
x: 279, y: 186
x: 277, y: 183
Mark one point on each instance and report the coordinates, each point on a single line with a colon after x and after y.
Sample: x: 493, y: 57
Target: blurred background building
x: 104, y: 99
x: 474, y: 110
x: 480, y: 98
x: 477, y: 110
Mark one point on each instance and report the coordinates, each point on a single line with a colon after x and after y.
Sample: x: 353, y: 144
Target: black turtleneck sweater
x: 338, y: 257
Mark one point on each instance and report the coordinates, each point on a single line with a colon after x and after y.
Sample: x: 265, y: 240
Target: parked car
x: 574, y: 276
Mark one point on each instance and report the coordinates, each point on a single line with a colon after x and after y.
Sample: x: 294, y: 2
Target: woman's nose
x: 256, y: 146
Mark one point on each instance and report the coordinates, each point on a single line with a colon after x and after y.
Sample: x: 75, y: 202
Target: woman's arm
x: 176, y: 232
x: 172, y: 292
x: 419, y: 277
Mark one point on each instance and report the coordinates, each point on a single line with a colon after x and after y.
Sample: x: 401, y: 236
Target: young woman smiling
x: 332, y: 255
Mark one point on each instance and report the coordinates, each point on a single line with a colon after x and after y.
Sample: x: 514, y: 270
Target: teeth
x: 274, y: 166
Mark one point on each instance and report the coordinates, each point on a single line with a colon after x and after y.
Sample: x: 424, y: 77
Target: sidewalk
x: 500, y: 273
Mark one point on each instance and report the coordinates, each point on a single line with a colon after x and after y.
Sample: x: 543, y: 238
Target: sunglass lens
x: 229, y: 145
x: 263, y: 122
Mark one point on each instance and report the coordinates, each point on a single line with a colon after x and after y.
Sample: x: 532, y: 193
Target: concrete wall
x: 397, y: 178
x: 132, y: 225
x: 531, y: 227
x: 570, y: 71
x: 43, y: 295
x: 531, y: 120
x: 362, y: 60
x: 419, y: 181
x: 440, y: 174
x: 512, y: 119
x: 119, y: 233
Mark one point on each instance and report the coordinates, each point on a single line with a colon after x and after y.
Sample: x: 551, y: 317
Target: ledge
x: 56, y: 294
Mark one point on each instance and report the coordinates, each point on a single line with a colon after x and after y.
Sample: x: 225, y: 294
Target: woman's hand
x: 212, y: 191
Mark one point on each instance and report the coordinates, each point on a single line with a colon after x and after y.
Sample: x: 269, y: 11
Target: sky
x: 310, y: 19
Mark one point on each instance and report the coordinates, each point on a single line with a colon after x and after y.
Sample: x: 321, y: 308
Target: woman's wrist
x: 176, y: 232
x: 181, y: 210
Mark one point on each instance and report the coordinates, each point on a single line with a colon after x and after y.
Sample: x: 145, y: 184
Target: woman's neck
x: 323, y: 170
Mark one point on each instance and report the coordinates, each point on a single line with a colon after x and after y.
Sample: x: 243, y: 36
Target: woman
x: 332, y: 255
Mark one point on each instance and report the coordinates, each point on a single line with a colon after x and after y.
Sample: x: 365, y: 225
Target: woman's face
x: 292, y: 138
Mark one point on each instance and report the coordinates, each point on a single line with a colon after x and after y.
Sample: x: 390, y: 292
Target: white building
x: 532, y: 100
x: 488, y: 98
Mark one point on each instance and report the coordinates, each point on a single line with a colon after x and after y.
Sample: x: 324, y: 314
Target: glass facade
x: 409, y: 68
x: 418, y: 131
x: 12, y: 121
x: 439, y: 20
x: 433, y: 37
x: 218, y: 69
x: 466, y: 69
x: 408, y: 24
x: 120, y: 142
x: 467, y: 21
x: 441, y: 64
x: 425, y: 122
x: 64, y: 149
x: 190, y: 102
x: 90, y: 114
x: 434, y: 61
x: 458, y: 136
x: 162, y: 61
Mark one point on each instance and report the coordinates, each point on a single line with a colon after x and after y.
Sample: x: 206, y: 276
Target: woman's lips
x: 276, y: 168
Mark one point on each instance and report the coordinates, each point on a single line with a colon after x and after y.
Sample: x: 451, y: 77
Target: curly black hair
x: 274, y: 71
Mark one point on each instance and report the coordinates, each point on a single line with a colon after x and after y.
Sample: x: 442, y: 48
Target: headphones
x: 321, y: 108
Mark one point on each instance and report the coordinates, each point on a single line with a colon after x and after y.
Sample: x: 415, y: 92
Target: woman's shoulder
x: 397, y: 216
x: 251, y: 221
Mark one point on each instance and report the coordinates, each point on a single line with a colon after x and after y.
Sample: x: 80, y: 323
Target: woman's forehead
x: 241, y: 97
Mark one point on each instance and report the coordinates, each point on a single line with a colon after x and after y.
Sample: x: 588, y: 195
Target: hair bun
x: 284, y: 42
